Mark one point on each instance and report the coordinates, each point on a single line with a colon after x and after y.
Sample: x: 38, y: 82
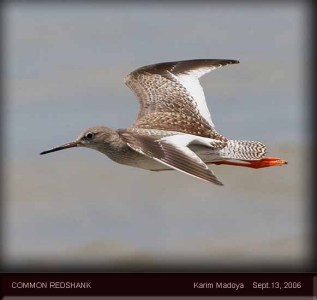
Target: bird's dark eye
x: 89, y: 135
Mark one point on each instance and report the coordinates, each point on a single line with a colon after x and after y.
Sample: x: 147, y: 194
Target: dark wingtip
x: 233, y: 61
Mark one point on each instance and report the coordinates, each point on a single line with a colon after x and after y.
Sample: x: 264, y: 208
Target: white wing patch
x: 190, y: 81
x: 183, y: 140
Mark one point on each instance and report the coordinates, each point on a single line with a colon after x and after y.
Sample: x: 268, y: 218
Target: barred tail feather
x: 244, y: 150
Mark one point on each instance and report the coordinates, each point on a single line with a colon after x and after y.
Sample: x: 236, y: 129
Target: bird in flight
x: 174, y: 129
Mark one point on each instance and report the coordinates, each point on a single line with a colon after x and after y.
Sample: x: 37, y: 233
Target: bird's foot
x: 256, y: 164
x: 266, y: 162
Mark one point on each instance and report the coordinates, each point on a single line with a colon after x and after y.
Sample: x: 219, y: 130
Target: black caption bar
x: 156, y: 284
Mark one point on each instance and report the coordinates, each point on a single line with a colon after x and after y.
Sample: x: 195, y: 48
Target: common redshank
x: 173, y: 129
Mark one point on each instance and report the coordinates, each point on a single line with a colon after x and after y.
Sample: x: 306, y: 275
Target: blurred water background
x: 64, y: 66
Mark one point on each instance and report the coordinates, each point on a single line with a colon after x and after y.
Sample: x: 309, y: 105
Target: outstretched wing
x: 172, y: 151
x: 172, y: 91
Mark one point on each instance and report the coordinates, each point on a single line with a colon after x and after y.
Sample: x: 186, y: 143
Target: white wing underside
x: 190, y: 81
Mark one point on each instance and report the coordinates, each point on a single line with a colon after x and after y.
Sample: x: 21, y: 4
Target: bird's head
x: 94, y: 137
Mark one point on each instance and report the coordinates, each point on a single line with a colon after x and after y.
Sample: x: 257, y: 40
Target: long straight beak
x: 65, y: 146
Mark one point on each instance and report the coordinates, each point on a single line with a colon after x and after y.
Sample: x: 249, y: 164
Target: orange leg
x: 256, y: 164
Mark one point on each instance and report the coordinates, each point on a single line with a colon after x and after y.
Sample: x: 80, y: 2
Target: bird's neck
x: 115, y: 148
x: 115, y: 143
